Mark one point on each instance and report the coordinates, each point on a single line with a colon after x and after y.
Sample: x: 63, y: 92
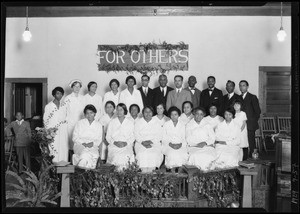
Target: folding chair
x: 10, y: 153
x: 258, y: 141
x: 284, y: 123
x: 267, y: 127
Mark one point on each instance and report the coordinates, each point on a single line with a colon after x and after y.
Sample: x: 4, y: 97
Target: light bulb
x: 281, y: 35
x: 27, y: 35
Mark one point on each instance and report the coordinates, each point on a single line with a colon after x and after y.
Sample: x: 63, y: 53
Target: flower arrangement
x: 127, y: 188
x: 217, y: 185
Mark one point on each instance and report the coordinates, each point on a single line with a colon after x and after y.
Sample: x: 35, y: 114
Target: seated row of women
x: 182, y: 139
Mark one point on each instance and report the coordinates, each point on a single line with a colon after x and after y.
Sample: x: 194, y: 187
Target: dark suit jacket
x: 22, y: 133
x: 147, y: 100
x: 229, y: 103
x: 158, y: 96
x: 252, y: 110
x: 215, y: 98
x: 195, y: 97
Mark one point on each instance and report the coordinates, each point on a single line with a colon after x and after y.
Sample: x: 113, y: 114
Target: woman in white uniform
x: 134, y: 113
x: 200, y: 138
x: 55, y: 117
x: 105, y: 120
x: 173, y: 140
x: 87, y: 138
x: 186, y: 116
x: 228, y: 139
x: 213, y: 119
x: 94, y: 99
x: 148, y: 146
x: 131, y: 95
x: 75, y: 105
x: 160, y: 117
x: 240, y: 118
x: 114, y: 94
x: 120, y: 137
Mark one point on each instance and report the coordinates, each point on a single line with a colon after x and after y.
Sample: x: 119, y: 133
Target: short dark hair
x: 60, y: 89
x: 211, y: 77
x: 130, y: 77
x: 145, y: 75
x: 123, y: 106
x: 163, y: 105
x: 230, y: 110
x: 91, y: 108
x: 134, y: 105
x: 238, y: 101
x: 229, y: 81
x: 5, y: 120
x: 199, y: 109
x: 110, y: 102
x: 174, y: 108
x: 74, y: 83
x: 179, y: 77
x: 147, y: 107
x: 191, y: 104
x: 213, y: 104
x: 115, y: 81
x: 90, y: 84
x: 245, y: 81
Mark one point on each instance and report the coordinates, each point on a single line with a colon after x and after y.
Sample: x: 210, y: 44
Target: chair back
x: 284, y: 123
x: 9, y: 145
x: 267, y: 126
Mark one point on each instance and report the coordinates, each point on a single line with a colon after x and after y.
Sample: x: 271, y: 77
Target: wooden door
x: 275, y: 90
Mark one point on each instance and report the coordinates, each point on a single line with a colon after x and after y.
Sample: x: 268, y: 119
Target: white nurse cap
x: 75, y: 80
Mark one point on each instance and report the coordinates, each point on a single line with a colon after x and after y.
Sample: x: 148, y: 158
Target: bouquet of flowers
x: 45, y: 138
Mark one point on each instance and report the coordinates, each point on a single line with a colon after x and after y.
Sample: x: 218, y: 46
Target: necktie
x: 228, y: 96
x: 145, y: 92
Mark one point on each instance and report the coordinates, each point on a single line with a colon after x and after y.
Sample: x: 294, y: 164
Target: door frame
x: 262, y: 78
x: 9, y: 93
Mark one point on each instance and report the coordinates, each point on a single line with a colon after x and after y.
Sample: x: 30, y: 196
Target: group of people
x: 175, y: 126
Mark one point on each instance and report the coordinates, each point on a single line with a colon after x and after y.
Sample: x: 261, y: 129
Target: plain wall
x: 228, y: 47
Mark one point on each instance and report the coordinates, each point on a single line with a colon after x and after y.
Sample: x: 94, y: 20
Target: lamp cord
x: 281, y: 14
x: 27, y: 16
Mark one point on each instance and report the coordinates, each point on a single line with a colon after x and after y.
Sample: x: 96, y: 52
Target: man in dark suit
x: 228, y: 99
x: 195, y: 92
x: 252, y: 110
x: 160, y: 93
x: 211, y: 95
x: 146, y: 92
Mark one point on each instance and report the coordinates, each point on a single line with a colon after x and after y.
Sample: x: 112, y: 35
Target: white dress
x: 176, y: 135
x: 110, y: 96
x: 96, y: 101
x: 228, y: 155
x: 184, y: 119
x: 75, y: 107
x: 120, y: 132
x: 128, y: 99
x: 148, y: 157
x: 161, y: 123
x: 214, y: 121
x: 84, y: 132
x: 104, y: 120
x: 239, y: 119
x: 132, y: 119
x: 203, y: 158
x: 54, y: 117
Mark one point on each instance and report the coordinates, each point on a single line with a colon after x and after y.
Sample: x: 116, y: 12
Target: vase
x: 255, y: 154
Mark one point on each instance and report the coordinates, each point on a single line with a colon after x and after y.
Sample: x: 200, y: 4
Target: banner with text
x: 143, y: 58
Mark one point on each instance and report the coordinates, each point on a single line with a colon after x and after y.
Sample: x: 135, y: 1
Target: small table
x: 247, y: 186
x: 65, y: 184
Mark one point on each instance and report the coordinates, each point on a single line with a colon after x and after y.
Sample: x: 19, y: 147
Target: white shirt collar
x: 161, y: 88
x: 244, y: 95
x: 180, y: 89
x: 21, y: 121
x: 231, y: 94
x: 144, y: 88
x: 211, y: 88
x: 192, y: 88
